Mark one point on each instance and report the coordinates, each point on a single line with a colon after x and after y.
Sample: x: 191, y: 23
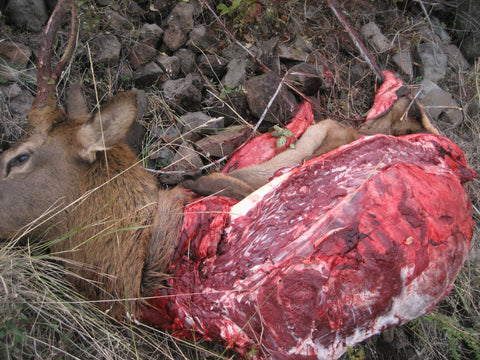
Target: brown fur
x: 406, y: 117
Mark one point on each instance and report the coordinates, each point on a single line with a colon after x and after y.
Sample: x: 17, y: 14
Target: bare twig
x: 356, y: 40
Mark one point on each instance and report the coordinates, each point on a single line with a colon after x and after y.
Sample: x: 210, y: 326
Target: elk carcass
x: 365, y: 237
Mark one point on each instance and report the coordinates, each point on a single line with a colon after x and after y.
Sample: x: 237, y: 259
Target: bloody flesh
x: 366, y: 237
x: 264, y: 147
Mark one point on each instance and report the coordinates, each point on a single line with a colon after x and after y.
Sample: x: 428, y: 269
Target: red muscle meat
x: 366, y: 237
x: 385, y: 96
x: 264, y: 146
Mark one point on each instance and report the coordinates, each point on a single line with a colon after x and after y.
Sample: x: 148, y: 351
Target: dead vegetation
x: 42, y: 317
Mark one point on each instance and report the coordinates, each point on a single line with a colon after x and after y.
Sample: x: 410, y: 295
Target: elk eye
x: 17, y: 161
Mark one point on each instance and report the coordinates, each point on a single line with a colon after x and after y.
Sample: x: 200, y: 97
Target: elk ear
x: 107, y: 127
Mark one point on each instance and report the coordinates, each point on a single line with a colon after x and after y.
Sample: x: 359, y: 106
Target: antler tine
x: 72, y: 42
x: 46, y: 78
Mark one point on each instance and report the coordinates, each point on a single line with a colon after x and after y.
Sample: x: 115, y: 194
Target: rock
x: 116, y: 21
x: 200, y: 38
x: 180, y: 23
x: 134, y: 137
x: 104, y: 2
x: 186, y: 159
x: 185, y: 92
x: 380, y: 42
x: 259, y: 91
x: 170, y: 65
x: 235, y: 51
x: 134, y: 10
x: 163, y: 155
x: 28, y: 15
x: 292, y: 53
x: 186, y: 59
x: 471, y: 46
x: 196, y: 123
x: 455, y: 57
x: 211, y: 65
x: 105, y: 49
x: 468, y: 26
x: 436, y: 101
x: 236, y: 73
x: 15, y: 53
x: 14, y: 115
x: 169, y: 135
x: 231, y: 108
x: 403, y: 59
x: 142, y: 102
x: 375, y: 37
x: 270, y: 58
x: 147, y: 75
x: 307, y: 79
x: 223, y: 143
x: 150, y: 34
x: 433, y: 61
x: 141, y: 54
x: 161, y: 6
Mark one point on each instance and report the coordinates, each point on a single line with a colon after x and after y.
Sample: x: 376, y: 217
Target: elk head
x: 42, y: 173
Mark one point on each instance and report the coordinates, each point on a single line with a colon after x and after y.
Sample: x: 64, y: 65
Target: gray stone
x: 104, y: 2
x: 236, y: 73
x: 200, y: 38
x: 163, y: 155
x: 403, y: 59
x: 116, y: 21
x: 28, y: 15
x: 150, y: 34
x: 292, y: 53
x: 306, y: 78
x: 436, y: 101
x: 235, y: 51
x: 170, y: 65
x: 180, y: 23
x: 380, y: 42
x: 211, y: 65
x: 147, y: 75
x: 260, y: 90
x: 141, y: 54
x: 169, y: 135
x: 185, y: 160
x: 186, y: 59
x: 196, y: 123
x: 174, y: 37
x: 433, y: 60
x: 15, y: 53
x: 374, y: 36
x: 185, y: 92
x: 14, y: 116
x: 471, y: 46
x: 225, y: 142
x: 455, y: 57
x: 105, y: 49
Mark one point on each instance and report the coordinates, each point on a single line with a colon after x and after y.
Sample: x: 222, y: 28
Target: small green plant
x: 243, y: 11
x: 282, y: 136
x: 355, y: 353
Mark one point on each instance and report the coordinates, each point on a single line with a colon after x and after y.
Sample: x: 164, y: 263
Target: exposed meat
x: 385, y: 96
x: 264, y: 146
x: 366, y: 237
